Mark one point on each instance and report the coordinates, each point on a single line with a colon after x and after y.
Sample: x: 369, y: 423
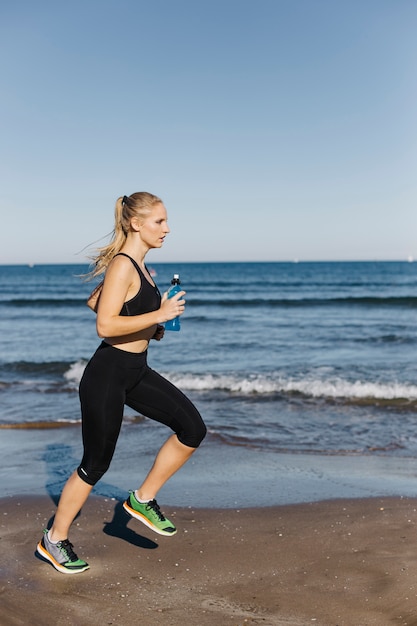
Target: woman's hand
x: 171, y: 307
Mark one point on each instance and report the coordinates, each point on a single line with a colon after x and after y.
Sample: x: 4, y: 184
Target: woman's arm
x: 119, y: 278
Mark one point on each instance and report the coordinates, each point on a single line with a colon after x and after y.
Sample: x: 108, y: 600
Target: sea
x: 299, y: 369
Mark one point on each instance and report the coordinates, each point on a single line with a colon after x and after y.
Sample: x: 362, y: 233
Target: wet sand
x: 333, y: 563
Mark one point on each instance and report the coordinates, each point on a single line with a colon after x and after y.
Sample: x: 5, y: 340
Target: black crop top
x: 146, y: 300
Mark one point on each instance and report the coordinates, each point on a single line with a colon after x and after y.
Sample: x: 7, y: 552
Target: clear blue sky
x: 272, y: 129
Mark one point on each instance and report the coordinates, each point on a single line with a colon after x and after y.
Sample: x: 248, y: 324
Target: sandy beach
x: 300, y: 506
x: 349, y: 562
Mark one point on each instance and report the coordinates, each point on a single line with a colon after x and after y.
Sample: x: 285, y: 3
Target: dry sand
x: 335, y: 563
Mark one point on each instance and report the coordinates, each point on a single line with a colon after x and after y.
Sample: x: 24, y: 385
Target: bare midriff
x: 136, y: 342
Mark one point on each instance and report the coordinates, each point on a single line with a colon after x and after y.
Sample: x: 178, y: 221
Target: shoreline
x: 217, y: 476
x: 347, y: 562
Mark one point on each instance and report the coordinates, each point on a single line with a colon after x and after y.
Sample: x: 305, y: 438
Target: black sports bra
x: 146, y: 300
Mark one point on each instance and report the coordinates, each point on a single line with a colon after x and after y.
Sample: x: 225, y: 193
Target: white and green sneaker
x: 149, y: 514
x: 61, y: 555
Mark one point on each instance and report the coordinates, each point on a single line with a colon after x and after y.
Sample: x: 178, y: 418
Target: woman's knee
x: 91, y: 474
x: 192, y: 437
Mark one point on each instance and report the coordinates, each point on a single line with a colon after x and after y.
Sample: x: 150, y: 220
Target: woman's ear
x: 135, y: 224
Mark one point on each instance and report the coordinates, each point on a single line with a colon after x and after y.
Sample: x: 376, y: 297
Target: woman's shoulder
x: 122, y: 265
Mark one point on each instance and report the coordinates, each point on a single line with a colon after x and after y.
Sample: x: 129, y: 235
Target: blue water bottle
x: 175, y: 288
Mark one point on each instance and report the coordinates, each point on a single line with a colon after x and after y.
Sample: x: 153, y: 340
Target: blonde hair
x: 137, y: 205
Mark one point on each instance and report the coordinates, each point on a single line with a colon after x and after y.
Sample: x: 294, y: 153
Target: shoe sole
x: 144, y: 520
x: 64, y: 570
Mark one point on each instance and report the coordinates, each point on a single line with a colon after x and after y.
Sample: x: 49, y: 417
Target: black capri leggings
x: 114, y: 378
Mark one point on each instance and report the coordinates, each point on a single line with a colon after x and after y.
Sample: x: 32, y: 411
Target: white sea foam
x: 339, y: 388
x: 310, y: 386
x: 75, y: 371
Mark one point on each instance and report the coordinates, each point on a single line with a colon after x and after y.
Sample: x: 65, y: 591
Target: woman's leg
x: 169, y: 459
x: 160, y: 400
x: 73, y: 497
x: 102, y: 398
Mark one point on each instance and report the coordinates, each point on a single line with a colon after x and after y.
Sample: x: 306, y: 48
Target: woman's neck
x: 135, y: 248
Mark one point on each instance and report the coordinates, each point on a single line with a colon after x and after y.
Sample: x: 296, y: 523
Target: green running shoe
x: 149, y: 514
x: 61, y: 555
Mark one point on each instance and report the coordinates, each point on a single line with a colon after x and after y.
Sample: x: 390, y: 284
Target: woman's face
x: 154, y: 227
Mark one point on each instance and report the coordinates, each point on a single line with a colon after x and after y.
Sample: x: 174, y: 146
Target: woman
x: 130, y: 312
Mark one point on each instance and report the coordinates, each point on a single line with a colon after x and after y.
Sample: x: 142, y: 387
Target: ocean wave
x: 43, y: 302
x: 361, y: 392
x: 44, y: 377
x: 298, y: 446
x: 270, y: 386
x: 75, y: 371
x: 58, y: 423
x: 232, y: 302
x: 40, y: 424
x: 35, y: 368
x: 392, y: 338
x: 400, y: 301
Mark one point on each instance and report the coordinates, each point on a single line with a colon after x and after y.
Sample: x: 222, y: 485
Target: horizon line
x: 409, y: 259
